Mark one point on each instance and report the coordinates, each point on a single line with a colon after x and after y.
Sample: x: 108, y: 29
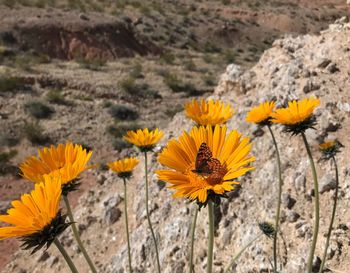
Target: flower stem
x: 317, y: 206
x: 127, y: 224
x: 193, y: 230
x: 211, y: 237
x: 148, y: 215
x: 65, y: 256
x: 333, y: 215
x: 76, y: 235
x: 228, y: 269
x: 278, y: 210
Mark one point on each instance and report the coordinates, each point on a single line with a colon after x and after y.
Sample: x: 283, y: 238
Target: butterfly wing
x: 207, y: 165
x: 204, y: 155
x: 218, y: 171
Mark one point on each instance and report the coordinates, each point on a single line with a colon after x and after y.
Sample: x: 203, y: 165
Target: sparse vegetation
x: 10, y: 83
x: 107, y: 104
x: 209, y: 80
x: 136, y: 71
x: 34, y: 133
x: 189, y: 65
x: 208, y: 58
x: 5, y: 157
x: 9, y: 3
x: 134, y: 3
x: 5, y: 165
x: 211, y: 48
x: 55, y: 96
x: 229, y: 56
x: 172, y: 111
x: 121, y: 4
x: 162, y: 72
x: 83, y: 97
x: 119, y: 129
x: 131, y: 88
x: 76, y: 4
x: 27, y: 61
x: 177, y: 85
x: 144, y: 9
x: 253, y: 49
x: 95, y: 64
x: 38, y: 110
x: 122, y: 112
x: 119, y: 144
x: 7, y: 140
x: 168, y: 58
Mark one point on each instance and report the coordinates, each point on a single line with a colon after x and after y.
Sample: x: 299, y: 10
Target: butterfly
x: 207, y: 165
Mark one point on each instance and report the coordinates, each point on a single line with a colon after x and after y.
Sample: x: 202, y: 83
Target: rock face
x: 282, y: 74
x: 47, y: 33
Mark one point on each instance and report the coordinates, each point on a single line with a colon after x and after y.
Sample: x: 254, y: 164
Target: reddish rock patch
x: 68, y: 35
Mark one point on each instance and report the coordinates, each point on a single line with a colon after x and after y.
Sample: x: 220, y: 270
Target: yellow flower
x: 66, y: 160
x: 36, y: 217
x: 327, y: 145
x: 124, y: 167
x: 208, y: 113
x: 144, y: 139
x: 231, y: 160
x: 261, y: 113
x: 298, y: 116
x: 330, y: 149
x: 296, y: 112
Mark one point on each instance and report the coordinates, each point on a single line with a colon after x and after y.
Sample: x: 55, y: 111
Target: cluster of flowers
x: 201, y: 165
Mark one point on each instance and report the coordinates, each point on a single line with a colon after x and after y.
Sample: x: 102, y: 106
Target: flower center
x: 202, y: 181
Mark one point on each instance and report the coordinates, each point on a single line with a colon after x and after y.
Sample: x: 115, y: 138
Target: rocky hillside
x: 223, y: 30
x: 304, y: 66
x: 68, y: 35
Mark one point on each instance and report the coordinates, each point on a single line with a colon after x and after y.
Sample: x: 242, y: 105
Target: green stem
x: 193, y: 230
x: 77, y: 236
x: 65, y: 256
x: 148, y: 215
x: 317, y: 206
x: 228, y: 269
x: 333, y: 215
x: 211, y: 237
x: 278, y: 210
x: 127, y: 223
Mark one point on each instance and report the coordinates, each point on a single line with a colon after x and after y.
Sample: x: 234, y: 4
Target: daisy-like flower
x: 144, y: 139
x: 330, y: 149
x: 124, y: 167
x: 298, y: 116
x: 66, y: 160
x: 208, y: 112
x: 261, y: 113
x: 36, y: 217
x: 327, y: 145
x: 227, y: 159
